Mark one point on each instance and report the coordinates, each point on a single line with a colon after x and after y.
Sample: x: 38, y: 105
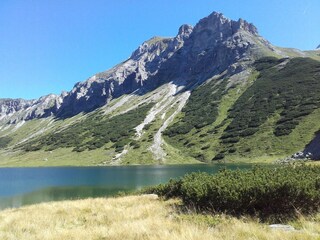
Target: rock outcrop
x: 313, y: 148
x: 15, y: 110
x: 215, y: 44
x: 10, y: 106
x: 124, y: 78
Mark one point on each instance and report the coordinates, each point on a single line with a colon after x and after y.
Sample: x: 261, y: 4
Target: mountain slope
x: 216, y: 91
x: 271, y: 111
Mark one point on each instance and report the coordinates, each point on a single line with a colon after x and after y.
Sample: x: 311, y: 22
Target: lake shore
x: 137, y: 217
x: 25, y: 186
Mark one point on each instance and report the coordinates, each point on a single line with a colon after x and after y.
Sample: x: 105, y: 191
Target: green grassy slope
x: 273, y: 117
x: 93, y: 132
x: 85, y: 140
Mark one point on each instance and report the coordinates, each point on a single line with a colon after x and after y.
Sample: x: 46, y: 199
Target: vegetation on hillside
x: 284, y: 94
x: 201, y: 109
x: 276, y: 193
x: 94, y: 132
x: 4, y: 141
x: 293, y: 89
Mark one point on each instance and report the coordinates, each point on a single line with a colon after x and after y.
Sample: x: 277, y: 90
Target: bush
x: 232, y: 150
x: 134, y: 144
x: 219, y: 156
x: 121, y: 143
x: 248, y: 132
x: 231, y: 140
x: 205, y: 147
x: 274, y: 192
x: 170, y: 190
x: 4, y: 141
x: 119, y: 149
x: 147, y: 126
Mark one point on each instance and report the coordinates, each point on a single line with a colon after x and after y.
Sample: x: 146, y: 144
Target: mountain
x: 215, y: 91
x: 16, y: 110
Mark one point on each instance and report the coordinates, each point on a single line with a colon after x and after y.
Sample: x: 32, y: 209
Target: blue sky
x: 46, y: 46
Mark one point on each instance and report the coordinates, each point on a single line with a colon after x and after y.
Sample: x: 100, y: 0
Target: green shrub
x: 267, y: 62
x: 147, y: 126
x: 219, y: 156
x: 264, y: 192
x: 170, y: 190
x: 30, y: 148
x: 205, y: 147
x: 231, y: 140
x: 4, y: 141
x: 121, y: 143
x: 232, y: 150
x: 134, y: 144
x: 119, y: 149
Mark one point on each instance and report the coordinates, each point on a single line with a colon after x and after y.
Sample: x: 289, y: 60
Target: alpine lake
x: 25, y: 186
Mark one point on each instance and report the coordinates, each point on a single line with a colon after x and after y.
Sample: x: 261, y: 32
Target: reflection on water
x: 58, y: 194
x: 23, y: 186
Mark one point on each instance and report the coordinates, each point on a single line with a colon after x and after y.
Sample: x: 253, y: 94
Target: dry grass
x: 134, y: 217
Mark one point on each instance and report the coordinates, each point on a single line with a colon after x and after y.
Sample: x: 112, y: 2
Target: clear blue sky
x: 46, y: 46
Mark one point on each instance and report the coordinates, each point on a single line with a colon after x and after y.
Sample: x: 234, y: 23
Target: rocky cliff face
x: 214, y: 45
x: 9, y: 107
x: 15, y: 110
x: 124, y: 78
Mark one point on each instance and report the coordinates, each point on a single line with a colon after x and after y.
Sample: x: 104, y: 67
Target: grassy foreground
x: 136, y: 217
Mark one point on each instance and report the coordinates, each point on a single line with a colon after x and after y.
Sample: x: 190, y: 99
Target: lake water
x: 23, y: 186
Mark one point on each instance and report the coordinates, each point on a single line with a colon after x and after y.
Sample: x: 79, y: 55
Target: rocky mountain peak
x: 154, y: 46
x: 184, y: 31
x: 218, y: 25
x: 15, y: 110
x: 158, y: 45
x: 318, y: 47
x: 216, y: 33
x: 215, y: 22
x: 244, y: 25
x: 10, y: 106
